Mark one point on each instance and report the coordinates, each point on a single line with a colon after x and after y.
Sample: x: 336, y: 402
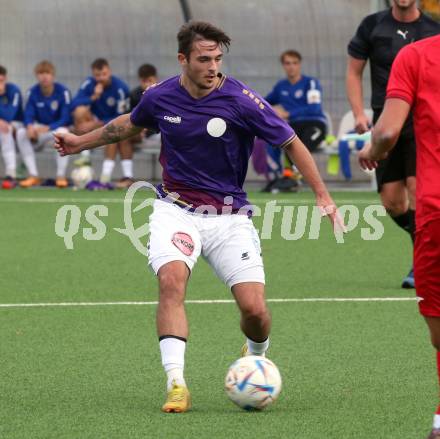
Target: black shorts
x: 401, y: 161
x: 311, y: 132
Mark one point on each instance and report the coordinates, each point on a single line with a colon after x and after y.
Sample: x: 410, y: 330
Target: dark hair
x: 99, y: 64
x: 3, y: 71
x: 292, y: 53
x: 147, y: 71
x: 200, y: 30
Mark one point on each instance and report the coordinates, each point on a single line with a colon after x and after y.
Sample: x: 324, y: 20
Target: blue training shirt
x: 53, y: 110
x: 11, y: 104
x: 112, y: 103
x: 302, y: 100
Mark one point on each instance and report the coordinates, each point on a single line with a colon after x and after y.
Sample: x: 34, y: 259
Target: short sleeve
x: 143, y: 114
x: 360, y: 46
x: 262, y: 121
x: 403, y: 80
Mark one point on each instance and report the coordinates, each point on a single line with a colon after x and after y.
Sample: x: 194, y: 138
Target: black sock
x: 406, y: 221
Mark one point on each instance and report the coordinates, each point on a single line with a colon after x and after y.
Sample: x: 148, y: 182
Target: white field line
x: 290, y: 201
x: 210, y: 302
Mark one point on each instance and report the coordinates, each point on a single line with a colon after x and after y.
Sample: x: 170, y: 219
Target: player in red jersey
x: 414, y: 85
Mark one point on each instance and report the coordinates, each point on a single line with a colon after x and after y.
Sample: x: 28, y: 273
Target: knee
x: 171, y: 286
x: 255, y: 311
x: 395, y: 207
x: 81, y: 114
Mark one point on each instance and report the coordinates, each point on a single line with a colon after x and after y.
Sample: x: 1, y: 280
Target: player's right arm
x: 355, y: 70
x: 359, y: 50
x: 116, y: 130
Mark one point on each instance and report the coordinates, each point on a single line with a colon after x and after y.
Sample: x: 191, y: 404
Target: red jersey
x: 415, y: 78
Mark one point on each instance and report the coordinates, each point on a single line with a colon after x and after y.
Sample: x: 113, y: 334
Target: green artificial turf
x: 350, y: 369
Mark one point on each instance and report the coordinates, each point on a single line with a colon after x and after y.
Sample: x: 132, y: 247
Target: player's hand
x: 361, y: 123
x: 328, y: 208
x: 4, y: 126
x: 367, y: 159
x: 97, y: 92
x: 67, y: 143
x: 31, y: 133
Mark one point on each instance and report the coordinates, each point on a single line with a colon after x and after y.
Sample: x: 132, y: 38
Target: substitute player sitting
x: 47, y: 111
x: 101, y: 98
x: 208, y: 123
x: 11, y: 113
x: 414, y: 84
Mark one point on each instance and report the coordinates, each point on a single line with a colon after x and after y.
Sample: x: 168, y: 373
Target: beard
x: 404, y: 7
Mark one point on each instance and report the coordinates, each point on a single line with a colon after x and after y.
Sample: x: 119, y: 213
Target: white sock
x: 436, y: 423
x: 27, y: 152
x: 8, y: 153
x: 107, y: 169
x: 127, y: 168
x: 172, y: 351
x: 256, y: 348
x: 62, y: 163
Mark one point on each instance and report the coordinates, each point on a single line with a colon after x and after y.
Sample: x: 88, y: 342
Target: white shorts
x: 229, y: 243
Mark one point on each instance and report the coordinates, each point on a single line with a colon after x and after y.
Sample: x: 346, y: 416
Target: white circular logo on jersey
x: 111, y: 101
x: 299, y: 94
x: 216, y: 127
x: 54, y: 105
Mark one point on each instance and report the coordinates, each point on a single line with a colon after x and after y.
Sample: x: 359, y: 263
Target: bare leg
x: 255, y: 317
x: 394, y: 196
x: 171, y: 317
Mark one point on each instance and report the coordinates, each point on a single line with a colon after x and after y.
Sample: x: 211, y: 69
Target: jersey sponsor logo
x: 111, y: 101
x: 54, y: 105
x: 40, y: 104
x: 299, y: 94
x: 402, y: 33
x: 173, y: 119
x: 183, y: 242
x: 216, y: 127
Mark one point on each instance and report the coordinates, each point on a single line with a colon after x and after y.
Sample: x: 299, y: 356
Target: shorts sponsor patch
x: 183, y: 242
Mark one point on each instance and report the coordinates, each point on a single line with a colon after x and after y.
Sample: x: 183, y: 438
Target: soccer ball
x: 81, y: 176
x: 253, y: 382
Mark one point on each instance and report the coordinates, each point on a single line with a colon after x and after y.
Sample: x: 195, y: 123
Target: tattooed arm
x: 116, y: 130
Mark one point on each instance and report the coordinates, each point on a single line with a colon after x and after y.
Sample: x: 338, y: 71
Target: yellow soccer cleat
x: 178, y: 400
x: 30, y: 181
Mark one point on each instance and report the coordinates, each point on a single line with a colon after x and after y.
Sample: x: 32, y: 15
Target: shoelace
x: 176, y: 396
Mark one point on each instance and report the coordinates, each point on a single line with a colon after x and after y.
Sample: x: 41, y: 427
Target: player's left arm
x: 300, y: 155
x: 116, y: 130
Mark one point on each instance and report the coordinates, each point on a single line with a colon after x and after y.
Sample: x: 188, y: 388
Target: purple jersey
x: 207, y: 142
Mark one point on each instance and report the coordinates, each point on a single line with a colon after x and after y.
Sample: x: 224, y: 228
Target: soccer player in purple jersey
x: 208, y: 123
